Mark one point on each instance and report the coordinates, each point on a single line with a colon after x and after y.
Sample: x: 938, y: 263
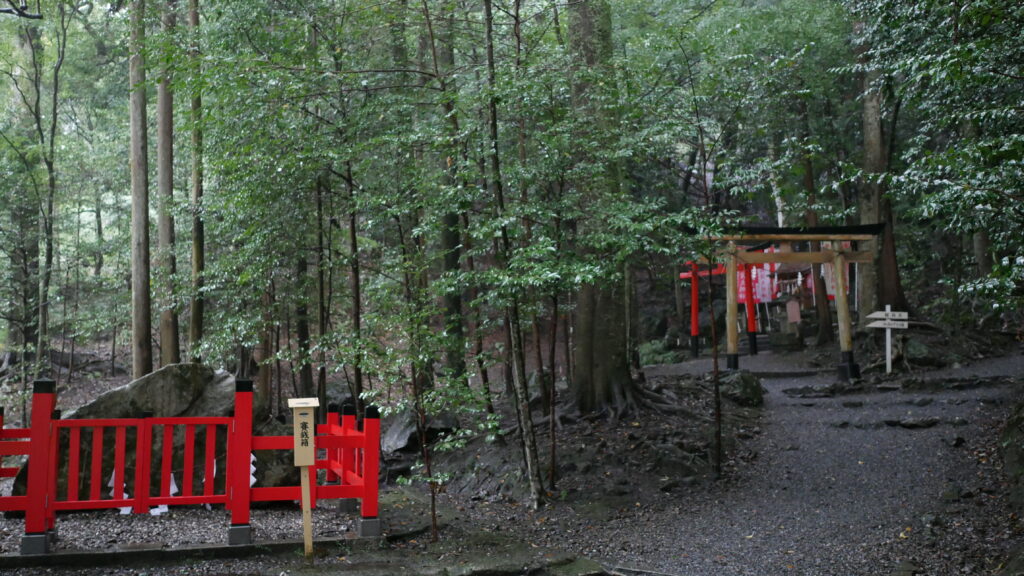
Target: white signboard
x: 890, y: 324
x: 889, y: 320
x: 888, y: 315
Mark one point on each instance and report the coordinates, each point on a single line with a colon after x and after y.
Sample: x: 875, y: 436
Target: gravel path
x: 853, y: 484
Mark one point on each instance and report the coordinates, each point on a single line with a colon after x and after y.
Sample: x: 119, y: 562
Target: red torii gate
x: 694, y: 275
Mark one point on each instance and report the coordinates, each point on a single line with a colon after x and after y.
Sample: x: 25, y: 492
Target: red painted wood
x: 36, y: 512
x: 143, y: 457
x: 190, y: 459
x: 120, y: 434
x: 166, y: 459
x: 210, y: 455
x: 96, y: 467
x: 240, y: 446
x: 74, y: 449
x: 371, y: 466
x: 14, y: 448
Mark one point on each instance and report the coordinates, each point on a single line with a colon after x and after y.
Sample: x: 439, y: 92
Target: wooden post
x: 732, y: 358
x: 848, y: 369
x: 304, y: 432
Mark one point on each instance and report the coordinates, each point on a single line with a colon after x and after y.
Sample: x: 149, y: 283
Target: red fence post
x: 751, y: 320
x: 333, y: 419
x: 369, y: 523
x: 51, y: 475
x: 44, y: 397
x: 694, y: 310
x: 238, y: 462
x: 143, y: 459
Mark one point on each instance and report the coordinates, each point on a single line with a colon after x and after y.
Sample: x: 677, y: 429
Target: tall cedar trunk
x: 477, y: 315
x: 322, y: 305
x: 632, y: 322
x: 302, y: 329
x: 825, y: 334
x: 443, y: 50
x: 890, y: 289
x: 97, y: 266
x: 195, y: 324
x: 871, y: 189
x: 26, y: 229
x: 601, y: 378
x: 263, y: 353
x: 142, y: 347
x: 44, y: 131
x: 981, y: 244
x: 355, y: 281
x: 512, y: 314
x: 682, y: 310
x: 601, y: 375
x: 169, y: 351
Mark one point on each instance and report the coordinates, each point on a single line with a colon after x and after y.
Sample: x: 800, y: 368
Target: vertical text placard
x: 303, y: 427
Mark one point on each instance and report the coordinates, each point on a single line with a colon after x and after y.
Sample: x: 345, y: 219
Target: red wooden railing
x: 75, y: 450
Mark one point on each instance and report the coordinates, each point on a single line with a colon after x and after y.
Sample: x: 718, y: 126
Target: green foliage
x: 959, y: 70
x: 657, y: 352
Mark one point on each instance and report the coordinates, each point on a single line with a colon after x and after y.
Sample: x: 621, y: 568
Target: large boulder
x: 743, y: 388
x: 918, y: 353
x: 176, y: 390
x: 399, y: 433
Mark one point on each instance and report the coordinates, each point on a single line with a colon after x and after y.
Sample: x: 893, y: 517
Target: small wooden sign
x: 303, y: 429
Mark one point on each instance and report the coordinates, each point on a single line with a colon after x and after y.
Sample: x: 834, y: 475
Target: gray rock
x: 743, y: 388
x: 913, y: 423
x: 918, y: 353
x: 400, y: 434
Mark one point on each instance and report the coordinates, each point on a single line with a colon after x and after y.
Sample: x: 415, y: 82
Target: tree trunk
x: 306, y: 388
x: 142, y: 348
x: 195, y: 325
x: 169, y: 351
x: 512, y: 316
x: 871, y: 188
x: 601, y: 379
x: 442, y: 47
x: 601, y: 374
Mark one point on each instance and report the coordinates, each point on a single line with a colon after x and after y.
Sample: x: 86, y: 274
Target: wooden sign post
x: 889, y: 320
x: 304, y: 430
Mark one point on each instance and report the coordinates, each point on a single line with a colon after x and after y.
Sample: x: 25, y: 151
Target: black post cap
x: 243, y: 385
x: 44, y: 386
x: 333, y: 408
x: 372, y: 412
x: 348, y: 408
x: 1, y: 411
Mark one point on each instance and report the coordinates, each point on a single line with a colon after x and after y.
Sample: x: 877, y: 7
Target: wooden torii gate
x: 832, y: 252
